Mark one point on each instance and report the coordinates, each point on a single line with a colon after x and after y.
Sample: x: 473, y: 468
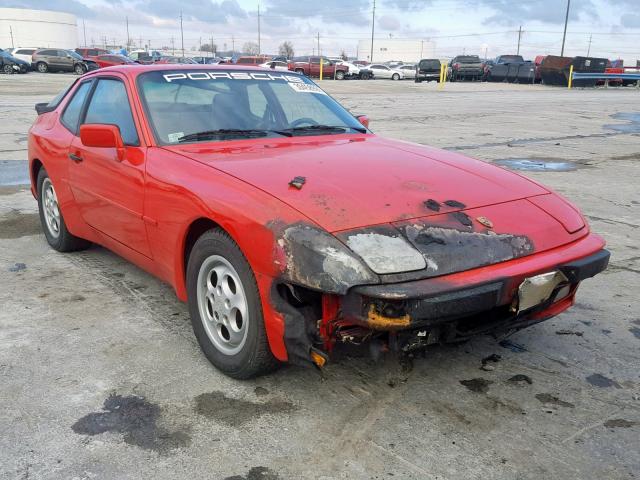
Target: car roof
x: 133, y: 70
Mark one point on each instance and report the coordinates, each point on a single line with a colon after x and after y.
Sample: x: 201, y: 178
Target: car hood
x: 360, y: 180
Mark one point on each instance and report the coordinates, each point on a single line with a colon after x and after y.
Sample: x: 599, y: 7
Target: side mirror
x: 363, y: 119
x: 102, y: 136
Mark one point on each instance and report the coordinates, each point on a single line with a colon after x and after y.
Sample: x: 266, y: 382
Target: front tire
x: 395, y: 76
x: 79, y: 69
x: 8, y: 69
x: 226, y: 309
x: 51, y: 219
x: 339, y: 75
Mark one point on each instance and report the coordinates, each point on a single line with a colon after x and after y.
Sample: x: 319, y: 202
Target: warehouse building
x: 388, y: 49
x: 21, y: 27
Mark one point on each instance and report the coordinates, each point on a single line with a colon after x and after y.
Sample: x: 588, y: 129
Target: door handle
x: 75, y: 157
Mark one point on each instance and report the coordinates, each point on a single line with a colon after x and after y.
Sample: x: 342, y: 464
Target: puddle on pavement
x: 537, y: 165
x: 15, y: 224
x: 633, y: 125
x: 14, y: 172
x: 136, y: 419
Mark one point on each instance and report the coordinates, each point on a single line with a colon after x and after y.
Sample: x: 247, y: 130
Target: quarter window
x: 72, y: 113
x: 110, y: 104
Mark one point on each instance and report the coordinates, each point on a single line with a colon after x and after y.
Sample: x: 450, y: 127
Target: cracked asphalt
x: 101, y: 377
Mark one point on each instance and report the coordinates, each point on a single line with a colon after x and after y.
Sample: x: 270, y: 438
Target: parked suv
x: 428, y: 69
x: 465, y: 66
x: 58, y: 60
x: 10, y: 64
x: 310, y: 66
x: 24, y: 53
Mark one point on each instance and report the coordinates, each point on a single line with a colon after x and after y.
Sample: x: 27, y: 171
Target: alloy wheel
x: 50, y: 208
x: 222, y: 304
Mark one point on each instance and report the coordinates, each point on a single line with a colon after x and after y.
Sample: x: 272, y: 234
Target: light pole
x: 181, y: 34
x: 566, y: 20
x: 373, y: 29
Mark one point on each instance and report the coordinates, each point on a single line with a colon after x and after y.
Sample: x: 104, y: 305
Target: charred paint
x: 318, y: 260
x: 449, y: 250
x: 463, y: 218
x: 454, y: 204
x: 432, y: 204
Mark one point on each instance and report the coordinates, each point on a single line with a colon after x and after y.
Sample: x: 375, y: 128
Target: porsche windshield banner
x: 172, y: 77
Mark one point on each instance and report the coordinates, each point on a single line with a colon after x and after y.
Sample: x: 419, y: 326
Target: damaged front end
x: 440, y: 279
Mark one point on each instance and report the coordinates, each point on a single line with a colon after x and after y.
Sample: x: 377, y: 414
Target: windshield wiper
x: 226, y: 132
x: 320, y: 128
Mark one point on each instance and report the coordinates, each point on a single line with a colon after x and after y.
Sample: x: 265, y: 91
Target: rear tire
x: 42, y: 67
x: 7, y: 69
x: 226, y: 308
x: 395, y: 76
x: 51, y: 219
x: 300, y: 71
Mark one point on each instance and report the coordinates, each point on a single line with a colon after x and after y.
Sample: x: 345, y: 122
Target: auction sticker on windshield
x: 307, y: 87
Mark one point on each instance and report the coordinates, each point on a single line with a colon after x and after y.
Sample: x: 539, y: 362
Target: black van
x: 428, y: 69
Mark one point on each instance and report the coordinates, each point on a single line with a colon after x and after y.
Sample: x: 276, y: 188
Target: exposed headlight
x: 318, y: 260
x: 384, y: 250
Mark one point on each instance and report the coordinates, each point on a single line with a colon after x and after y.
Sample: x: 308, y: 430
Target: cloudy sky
x: 454, y: 25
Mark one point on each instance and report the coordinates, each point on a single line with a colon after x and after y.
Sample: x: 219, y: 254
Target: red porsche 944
x: 288, y: 226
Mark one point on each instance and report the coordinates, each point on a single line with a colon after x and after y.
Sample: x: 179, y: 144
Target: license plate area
x: 538, y: 289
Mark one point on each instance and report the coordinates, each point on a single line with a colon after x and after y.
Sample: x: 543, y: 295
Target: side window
x: 73, y: 110
x: 110, y: 104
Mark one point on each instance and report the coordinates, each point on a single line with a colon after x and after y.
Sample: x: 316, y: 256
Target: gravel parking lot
x: 101, y: 377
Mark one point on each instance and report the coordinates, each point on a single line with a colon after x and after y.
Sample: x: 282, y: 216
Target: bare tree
x: 208, y: 47
x: 251, y: 48
x: 344, y: 56
x: 286, y: 49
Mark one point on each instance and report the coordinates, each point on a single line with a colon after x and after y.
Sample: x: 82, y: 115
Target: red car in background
x: 310, y: 66
x: 288, y: 226
x: 111, y: 60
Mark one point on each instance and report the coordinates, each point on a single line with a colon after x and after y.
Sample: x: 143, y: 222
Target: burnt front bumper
x: 459, y: 310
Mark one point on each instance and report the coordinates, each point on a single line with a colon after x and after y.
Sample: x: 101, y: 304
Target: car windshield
x: 214, y: 105
x: 74, y: 54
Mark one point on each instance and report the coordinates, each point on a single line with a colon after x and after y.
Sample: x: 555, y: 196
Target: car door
x: 64, y: 60
x: 110, y: 192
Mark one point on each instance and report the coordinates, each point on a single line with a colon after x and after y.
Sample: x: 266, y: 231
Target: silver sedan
x: 382, y: 71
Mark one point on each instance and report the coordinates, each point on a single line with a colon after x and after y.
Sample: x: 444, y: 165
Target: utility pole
x: 128, y: 40
x: 589, y: 49
x: 173, y: 46
x: 519, y: 38
x: 259, y: 49
x: 373, y: 29
x: 211, y: 46
x: 566, y: 21
x: 84, y: 31
x: 181, y: 34
x: 233, y: 45
x: 11, y: 33
x: 318, y: 43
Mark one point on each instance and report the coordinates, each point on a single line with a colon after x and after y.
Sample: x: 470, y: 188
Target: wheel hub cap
x: 50, y: 208
x: 222, y: 304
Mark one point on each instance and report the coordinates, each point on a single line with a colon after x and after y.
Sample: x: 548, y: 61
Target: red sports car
x: 288, y: 226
